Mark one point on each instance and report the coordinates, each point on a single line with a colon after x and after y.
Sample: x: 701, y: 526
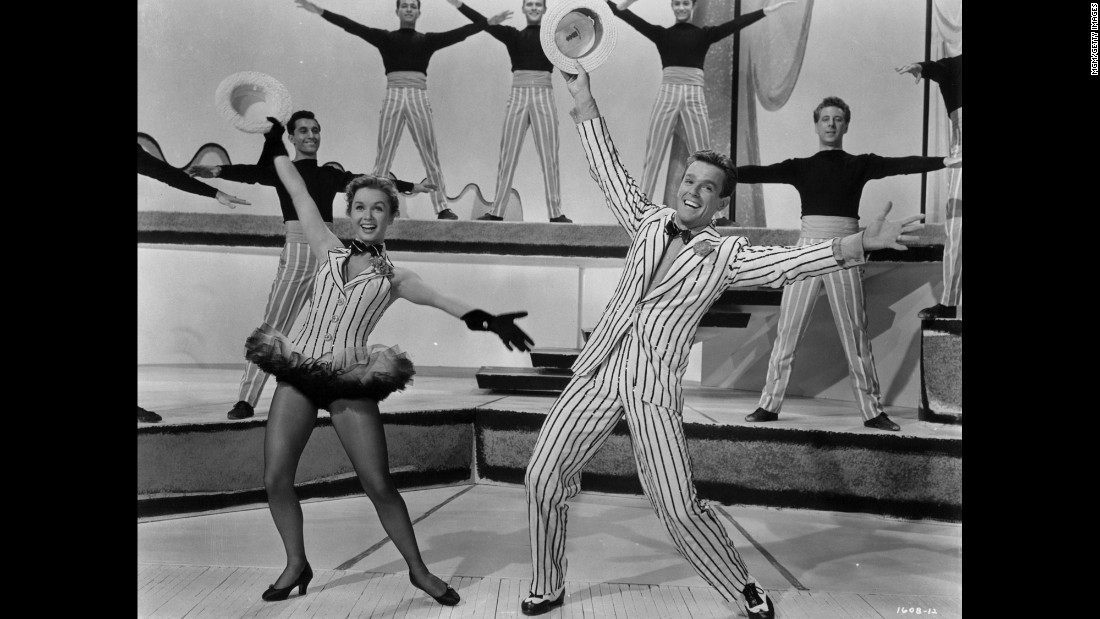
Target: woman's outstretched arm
x: 409, y: 286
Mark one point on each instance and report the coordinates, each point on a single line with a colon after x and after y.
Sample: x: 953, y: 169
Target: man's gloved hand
x: 502, y: 325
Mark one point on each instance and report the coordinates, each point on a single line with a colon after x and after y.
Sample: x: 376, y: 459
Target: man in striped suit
x: 298, y: 266
x: 531, y: 104
x: 635, y: 360
x: 405, y: 56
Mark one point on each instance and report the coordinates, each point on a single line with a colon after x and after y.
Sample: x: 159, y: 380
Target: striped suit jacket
x: 664, y: 319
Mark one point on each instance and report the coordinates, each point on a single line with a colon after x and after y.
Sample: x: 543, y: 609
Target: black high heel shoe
x: 449, y: 597
x: 277, y: 595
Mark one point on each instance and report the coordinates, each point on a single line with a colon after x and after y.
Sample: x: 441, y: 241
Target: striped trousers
x: 579, y: 422
x: 674, y: 102
x: 953, y: 223
x: 411, y: 106
x: 534, y: 108
x: 291, y: 289
x: 845, y: 291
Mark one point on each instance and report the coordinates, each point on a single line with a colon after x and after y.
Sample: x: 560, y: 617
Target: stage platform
x: 622, y: 564
x: 445, y: 430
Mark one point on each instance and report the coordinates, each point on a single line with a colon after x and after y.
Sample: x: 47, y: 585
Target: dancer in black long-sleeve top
x: 531, y: 104
x: 683, y: 48
x: 148, y: 165
x: 948, y: 73
x: 830, y: 184
x: 405, y: 56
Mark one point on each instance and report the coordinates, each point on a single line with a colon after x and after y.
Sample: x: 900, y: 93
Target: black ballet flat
x: 449, y: 597
x: 277, y: 595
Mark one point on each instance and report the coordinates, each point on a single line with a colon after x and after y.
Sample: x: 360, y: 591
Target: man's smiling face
x: 698, y: 194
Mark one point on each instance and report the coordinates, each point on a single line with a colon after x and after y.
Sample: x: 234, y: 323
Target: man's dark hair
x: 296, y: 116
x: 397, y: 5
x: 721, y: 162
x: 384, y: 185
x: 833, y: 102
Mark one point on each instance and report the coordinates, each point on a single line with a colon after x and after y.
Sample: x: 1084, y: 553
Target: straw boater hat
x: 247, y: 98
x: 578, y: 30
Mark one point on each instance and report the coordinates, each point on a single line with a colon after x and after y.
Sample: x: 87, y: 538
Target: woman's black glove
x: 273, y: 143
x: 510, y: 334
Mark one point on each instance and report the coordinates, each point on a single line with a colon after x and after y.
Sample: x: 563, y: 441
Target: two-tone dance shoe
x: 561, y: 219
x: 446, y: 214
x: 277, y: 595
x: 761, y: 415
x: 757, y: 603
x: 489, y: 217
x: 540, y: 604
x: 882, y: 422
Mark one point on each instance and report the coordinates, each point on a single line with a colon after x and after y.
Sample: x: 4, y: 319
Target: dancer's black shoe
x: 450, y: 597
x: 277, y: 595
x: 147, y: 416
x: 241, y: 410
x: 882, y: 422
x: 761, y: 415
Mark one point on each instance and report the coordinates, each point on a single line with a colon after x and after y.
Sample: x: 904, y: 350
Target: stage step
x: 561, y: 358
x: 523, y: 379
x: 941, y: 371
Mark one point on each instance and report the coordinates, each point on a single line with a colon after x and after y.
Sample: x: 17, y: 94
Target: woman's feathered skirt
x: 372, y: 372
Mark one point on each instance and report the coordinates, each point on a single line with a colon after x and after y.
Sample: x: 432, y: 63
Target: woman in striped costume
x: 683, y: 48
x: 328, y: 364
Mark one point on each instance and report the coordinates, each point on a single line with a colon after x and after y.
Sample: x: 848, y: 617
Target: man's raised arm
x: 628, y: 205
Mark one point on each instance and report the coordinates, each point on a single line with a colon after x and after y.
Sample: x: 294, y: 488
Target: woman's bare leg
x: 359, y: 426
x: 290, y: 421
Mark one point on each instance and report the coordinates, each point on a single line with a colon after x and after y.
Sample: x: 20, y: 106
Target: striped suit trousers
x: 845, y: 291
x: 291, y: 289
x: 674, y: 102
x: 953, y: 223
x: 411, y: 106
x: 534, y: 108
x: 578, y: 424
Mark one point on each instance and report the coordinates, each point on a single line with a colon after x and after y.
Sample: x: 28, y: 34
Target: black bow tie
x: 359, y: 247
x: 672, y: 229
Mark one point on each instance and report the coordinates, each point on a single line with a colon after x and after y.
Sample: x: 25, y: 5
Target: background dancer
x: 634, y: 362
x: 948, y: 73
x: 405, y: 56
x: 531, y: 104
x: 830, y: 184
x: 297, y: 265
x: 328, y: 364
x: 149, y: 165
x: 683, y: 49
